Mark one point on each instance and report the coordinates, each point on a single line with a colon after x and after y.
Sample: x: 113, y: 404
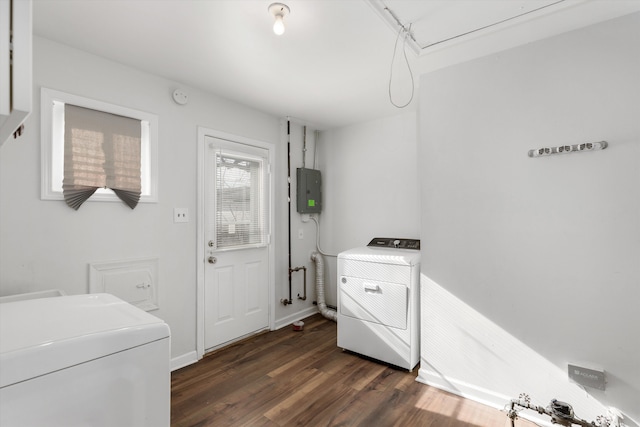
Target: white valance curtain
x: 101, y: 150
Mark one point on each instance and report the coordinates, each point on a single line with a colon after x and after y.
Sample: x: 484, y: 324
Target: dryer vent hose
x: 322, y: 305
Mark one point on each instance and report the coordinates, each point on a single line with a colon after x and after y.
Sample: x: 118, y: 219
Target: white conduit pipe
x: 322, y: 305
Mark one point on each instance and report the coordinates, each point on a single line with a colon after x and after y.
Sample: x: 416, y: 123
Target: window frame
x: 52, y: 158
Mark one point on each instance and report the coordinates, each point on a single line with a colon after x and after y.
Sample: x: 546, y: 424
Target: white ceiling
x: 330, y: 68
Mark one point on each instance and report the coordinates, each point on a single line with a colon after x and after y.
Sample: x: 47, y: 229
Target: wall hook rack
x: 575, y: 148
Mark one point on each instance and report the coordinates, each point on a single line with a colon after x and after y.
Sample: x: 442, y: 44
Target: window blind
x: 101, y: 150
x: 239, y: 201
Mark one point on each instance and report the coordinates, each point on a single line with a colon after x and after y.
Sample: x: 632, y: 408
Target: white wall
x: 45, y: 244
x: 370, y: 186
x: 543, y: 253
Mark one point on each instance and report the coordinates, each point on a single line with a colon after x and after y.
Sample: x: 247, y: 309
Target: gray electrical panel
x: 308, y: 190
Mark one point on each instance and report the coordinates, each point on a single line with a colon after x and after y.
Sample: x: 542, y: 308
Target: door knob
x: 212, y: 260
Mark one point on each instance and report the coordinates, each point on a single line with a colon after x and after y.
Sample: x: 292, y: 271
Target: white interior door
x: 236, y: 228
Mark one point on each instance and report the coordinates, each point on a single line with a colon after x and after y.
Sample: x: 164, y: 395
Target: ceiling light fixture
x: 279, y: 11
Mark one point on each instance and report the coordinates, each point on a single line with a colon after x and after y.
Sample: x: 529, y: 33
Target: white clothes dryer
x: 378, y: 301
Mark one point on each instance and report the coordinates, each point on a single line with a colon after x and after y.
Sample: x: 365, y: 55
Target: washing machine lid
x: 40, y: 336
x: 382, y: 255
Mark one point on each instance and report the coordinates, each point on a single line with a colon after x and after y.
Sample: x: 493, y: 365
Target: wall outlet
x: 180, y: 215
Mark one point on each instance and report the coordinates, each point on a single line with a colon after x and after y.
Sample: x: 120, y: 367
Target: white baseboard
x: 286, y: 321
x: 477, y: 394
x: 184, y: 360
x: 192, y: 357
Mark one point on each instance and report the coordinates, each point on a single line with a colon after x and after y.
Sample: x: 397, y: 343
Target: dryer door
x: 383, y: 303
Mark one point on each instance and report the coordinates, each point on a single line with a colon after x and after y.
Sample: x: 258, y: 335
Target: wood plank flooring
x: 301, y: 378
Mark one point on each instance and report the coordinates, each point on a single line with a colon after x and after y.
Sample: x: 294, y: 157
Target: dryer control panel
x: 395, y: 243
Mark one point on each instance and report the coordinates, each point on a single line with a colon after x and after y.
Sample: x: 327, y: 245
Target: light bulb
x: 278, y: 26
x: 279, y: 11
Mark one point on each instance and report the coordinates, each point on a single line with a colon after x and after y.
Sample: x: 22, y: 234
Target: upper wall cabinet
x: 15, y: 66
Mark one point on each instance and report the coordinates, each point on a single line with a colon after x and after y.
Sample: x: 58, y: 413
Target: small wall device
x: 308, y: 191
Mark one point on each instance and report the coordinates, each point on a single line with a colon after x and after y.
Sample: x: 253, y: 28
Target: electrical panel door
x: 308, y: 190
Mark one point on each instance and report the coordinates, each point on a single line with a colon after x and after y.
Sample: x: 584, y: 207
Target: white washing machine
x: 378, y: 301
x: 83, y: 360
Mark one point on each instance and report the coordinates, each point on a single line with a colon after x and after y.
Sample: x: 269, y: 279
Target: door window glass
x: 239, y: 204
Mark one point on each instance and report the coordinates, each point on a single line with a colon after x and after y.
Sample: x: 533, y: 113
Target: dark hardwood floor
x: 301, y: 378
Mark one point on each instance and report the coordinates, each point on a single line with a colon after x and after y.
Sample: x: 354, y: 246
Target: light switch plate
x: 180, y: 214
